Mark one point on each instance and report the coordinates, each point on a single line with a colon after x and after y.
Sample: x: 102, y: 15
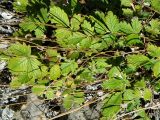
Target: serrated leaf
x: 28, y: 65
x: 57, y: 15
x: 85, y: 43
x: 55, y: 72
x: 128, y: 95
x: 19, y: 49
x: 156, y: 69
x: 147, y: 94
x: 15, y: 84
x: 137, y: 60
x: 114, y: 73
x: 20, y: 5
x: 153, y: 50
x: 38, y: 89
x: 126, y: 3
x: 136, y: 25
x: 75, y: 22
x: 68, y: 101
x: 49, y: 93
x: 115, y: 84
x: 134, y: 28
x: 140, y: 84
x: 155, y: 4
x: 127, y: 12
x: 133, y: 39
x: 68, y: 67
x: 43, y: 15
x: 87, y: 28
x: 112, y: 22
x: 154, y: 27
x: 112, y: 106
x: 52, y: 55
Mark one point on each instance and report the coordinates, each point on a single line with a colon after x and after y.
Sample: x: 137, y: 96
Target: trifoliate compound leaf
x: 20, y: 49
x: 112, y: 22
x: 156, y: 69
x: 20, y: 5
x: 137, y: 60
x: 57, y: 15
x: 55, y: 72
x: 153, y: 50
x: 68, y: 67
x: 38, y: 89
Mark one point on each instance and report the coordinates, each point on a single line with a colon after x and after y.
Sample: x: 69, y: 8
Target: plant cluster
x: 72, y: 45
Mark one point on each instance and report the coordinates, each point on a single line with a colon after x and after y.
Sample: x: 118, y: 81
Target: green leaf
x: 147, y: 94
x: 128, y: 95
x: 156, y: 69
x: 52, y: 55
x: 112, y: 106
x: 55, y: 72
x: 112, y: 22
x: 20, y: 49
x: 126, y: 3
x: 29, y: 65
x: 155, y: 4
x: 140, y: 84
x: 87, y: 28
x: 15, y: 84
x: 135, y: 26
x: 154, y: 27
x: 57, y: 15
x: 137, y: 60
x: 153, y: 50
x: 68, y: 101
x: 43, y: 15
x: 115, y: 73
x: 20, y: 5
x: 133, y: 39
x: 86, y: 75
x: 127, y: 12
x: 115, y: 84
x: 85, y: 43
x: 50, y: 93
x: 68, y: 67
x: 38, y: 89
x: 75, y: 22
